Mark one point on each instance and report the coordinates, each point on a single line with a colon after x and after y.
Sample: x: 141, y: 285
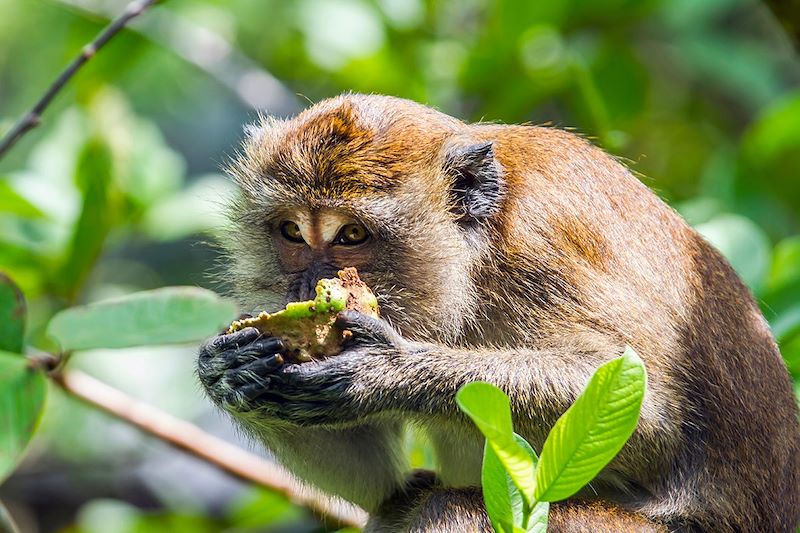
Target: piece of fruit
x: 307, y: 328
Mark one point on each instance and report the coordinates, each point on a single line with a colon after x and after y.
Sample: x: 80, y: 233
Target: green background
x: 120, y: 189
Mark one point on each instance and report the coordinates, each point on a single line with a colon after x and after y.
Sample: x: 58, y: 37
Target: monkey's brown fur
x: 568, y: 259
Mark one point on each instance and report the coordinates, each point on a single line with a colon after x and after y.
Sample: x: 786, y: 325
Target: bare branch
x: 211, y: 52
x: 193, y: 440
x: 33, y: 117
x: 788, y: 14
x: 7, y: 523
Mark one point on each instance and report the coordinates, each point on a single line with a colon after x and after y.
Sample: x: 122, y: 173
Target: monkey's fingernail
x: 346, y: 317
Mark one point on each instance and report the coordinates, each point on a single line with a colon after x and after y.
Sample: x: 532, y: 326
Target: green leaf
x: 537, y: 517
x: 699, y: 210
x: 155, y: 170
x: 162, y: 316
x: 489, y: 409
x: 593, y: 429
x: 777, y: 130
x: 12, y: 316
x: 13, y: 203
x: 786, y: 325
x: 260, y: 506
x: 114, y: 516
x: 785, y: 268
x: 22, y: 395
x: 504, y: 502
x: 782, y: 291
x: 743, y: 244
x: 93, y: 174
x: 791, y: 354
x: 166, y: 219
x: 497, y: 494
x: 537, y: 522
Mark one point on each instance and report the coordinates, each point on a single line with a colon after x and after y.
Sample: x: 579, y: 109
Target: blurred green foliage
x: 120, y: 189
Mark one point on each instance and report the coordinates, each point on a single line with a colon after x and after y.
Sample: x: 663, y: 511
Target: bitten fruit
x: 308, y: 328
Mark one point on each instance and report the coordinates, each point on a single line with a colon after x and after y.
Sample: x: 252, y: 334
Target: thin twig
x: 7, y: 524
x: 209, y: 51
x: 33, y: 117
x: 788, y: 14
x: 195, y: 441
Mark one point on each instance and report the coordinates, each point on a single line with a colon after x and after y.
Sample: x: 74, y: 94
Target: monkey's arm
x: 361, y: 463
x: 382, y: 373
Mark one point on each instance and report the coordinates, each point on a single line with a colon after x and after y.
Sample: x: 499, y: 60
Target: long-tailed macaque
x: 518, y: 255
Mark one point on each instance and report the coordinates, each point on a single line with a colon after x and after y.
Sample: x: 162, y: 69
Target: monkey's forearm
x: 425, y: 380
x: 420, y: 381
x: 541, y: 385
x: 362, y: 464
x: 383, y: 372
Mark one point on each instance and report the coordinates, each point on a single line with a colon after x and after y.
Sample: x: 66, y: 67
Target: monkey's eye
x: 291, y: 231
x: 352, y: 234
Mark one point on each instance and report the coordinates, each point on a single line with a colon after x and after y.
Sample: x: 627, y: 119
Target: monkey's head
x: 393, y: 188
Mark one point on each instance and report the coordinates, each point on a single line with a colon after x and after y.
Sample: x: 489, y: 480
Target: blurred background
x: 120, y: 188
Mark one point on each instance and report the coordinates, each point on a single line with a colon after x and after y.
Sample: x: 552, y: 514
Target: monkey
x: 519, y: 255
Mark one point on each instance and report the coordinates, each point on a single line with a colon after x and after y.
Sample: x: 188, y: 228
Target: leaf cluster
x: 518, y: 485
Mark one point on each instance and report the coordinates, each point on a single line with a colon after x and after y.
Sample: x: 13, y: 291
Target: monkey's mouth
x: 303, y: 286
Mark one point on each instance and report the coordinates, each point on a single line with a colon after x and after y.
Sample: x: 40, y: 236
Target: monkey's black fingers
x: 366, y: 328
x: 256, y: 371
x: 217, y: 354
x: 259, y: 348
x: 226, y: 342
x: 227, y: 352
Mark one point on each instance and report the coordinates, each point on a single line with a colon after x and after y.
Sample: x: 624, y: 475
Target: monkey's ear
x: 478, y: 186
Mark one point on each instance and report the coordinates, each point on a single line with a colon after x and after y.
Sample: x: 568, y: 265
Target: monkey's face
x: 342, y: 186
x: 416, y: 263
x: 312, y: 244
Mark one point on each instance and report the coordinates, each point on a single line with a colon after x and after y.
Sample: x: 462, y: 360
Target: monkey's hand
x: 235, y: 368
x: 330, y: 392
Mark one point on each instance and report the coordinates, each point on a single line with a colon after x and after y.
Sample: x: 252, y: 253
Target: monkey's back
x: 631, y: 268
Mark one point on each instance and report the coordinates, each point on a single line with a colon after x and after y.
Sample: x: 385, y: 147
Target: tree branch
x: 33, y: 117
x: 193, y: 440
x: 787, y: 14
x: 7, y: 524
x: 209, y: 51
